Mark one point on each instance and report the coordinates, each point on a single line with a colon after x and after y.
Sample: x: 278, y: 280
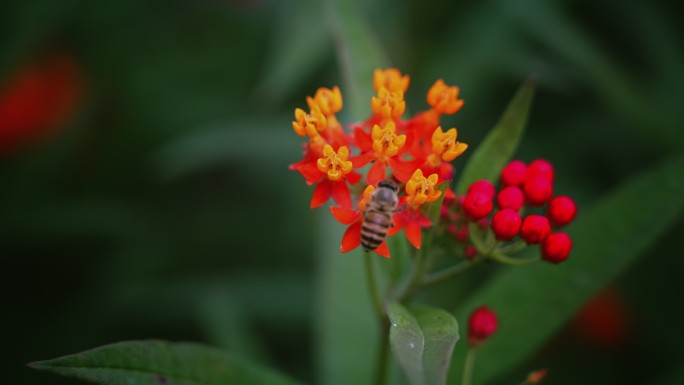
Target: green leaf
x: 359, y: 54
x: 423, y: 339
x: 498, y: 146
x: 159, y: 363
x: 534, y: 302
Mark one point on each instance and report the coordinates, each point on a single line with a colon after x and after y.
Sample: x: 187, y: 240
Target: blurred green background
x: 161, y: 205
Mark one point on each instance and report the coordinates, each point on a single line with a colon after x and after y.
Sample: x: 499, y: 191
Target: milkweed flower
x: 391, y: 79
x: 382, y: 147
x: 335, y: 170
x: 419, y: 190
x: 415, y: 151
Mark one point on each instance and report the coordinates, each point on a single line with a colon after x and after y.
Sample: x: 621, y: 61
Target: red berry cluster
x: 524, y: 187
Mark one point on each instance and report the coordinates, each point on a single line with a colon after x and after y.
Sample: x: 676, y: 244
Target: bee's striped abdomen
x: 374, y: 229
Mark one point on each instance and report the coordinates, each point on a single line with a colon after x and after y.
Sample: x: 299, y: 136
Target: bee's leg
x: 400, y: 208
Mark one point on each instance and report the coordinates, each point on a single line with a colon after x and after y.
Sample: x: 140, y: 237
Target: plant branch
x: 468, y: 366
x: 450, y: 272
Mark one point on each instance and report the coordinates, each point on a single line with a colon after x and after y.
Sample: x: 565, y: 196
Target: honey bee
x: 377, y: 218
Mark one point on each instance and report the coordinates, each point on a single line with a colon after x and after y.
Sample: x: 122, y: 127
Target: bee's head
x: 389, y: 184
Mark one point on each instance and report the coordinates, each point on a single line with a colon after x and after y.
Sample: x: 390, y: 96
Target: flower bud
x: 477, y: 205
x: 506, y: 224
x: 556, y: 247
x: 484, y: 186
x: 562, y: 210
x: 481, y: 325
x: 535, y: 229
x: 514, y: 174
x: 538, y: 190
x: 470, y: 252
x: 541, y: 167
x: 510, y: 197
x: 462, y: 233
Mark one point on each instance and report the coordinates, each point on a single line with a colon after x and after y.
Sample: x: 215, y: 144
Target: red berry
x: 538, y: 190
x: 510, y: 197
x: 540, y: 167
x: 514, y: 174
x: 481, y: 325
x: 535, y: 229
x: 556, y: 247
x: 484, y: 186
x: 562, y: 210
x: 477, y: 205
x: 470, y: 252
x: 506, y: 224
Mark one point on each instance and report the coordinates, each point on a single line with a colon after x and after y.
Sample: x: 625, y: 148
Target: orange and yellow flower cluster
x: 414, y: 152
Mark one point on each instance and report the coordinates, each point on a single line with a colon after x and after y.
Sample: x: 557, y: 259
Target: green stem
x: 383, y: 355
x: 468, y: 366
x: 373, y: 287
x: 383, y: 348
x: 418, y: 269
x: 502, y: 258
x: 514, y: 248
x: 449, y: 272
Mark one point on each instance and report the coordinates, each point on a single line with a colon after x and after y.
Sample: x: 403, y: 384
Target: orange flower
x: 444, y: 99
x: 388, y: 104
x: 335, y: 170
x: 329, y: 101
x: 354, y: 218
x: 310, y: 124
x: 419, y: 190
x: 391, y: 79
x: 444, y: 145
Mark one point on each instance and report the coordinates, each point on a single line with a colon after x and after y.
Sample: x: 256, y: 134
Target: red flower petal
x: 321, y: 194
x: 363, y: 140
x: 351, y: 238
x: 345, y: 216
x: 341, y: 194
x: 383, y: 250
x: 449, y: 194
x: 422, y: 221
x: 412, y: 232
x: 361, y: 160
x: 353, y: 177
x: 399, y: 222
x: 402, y: 170
x: 309, y: 171
x: 377, y: 173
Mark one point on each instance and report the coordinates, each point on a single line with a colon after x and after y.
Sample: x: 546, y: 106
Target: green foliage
x: 159, y: 363
x: 359, y: 53
x: 423, y: 339
x: 498, y: 147
x: 164, y: 208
